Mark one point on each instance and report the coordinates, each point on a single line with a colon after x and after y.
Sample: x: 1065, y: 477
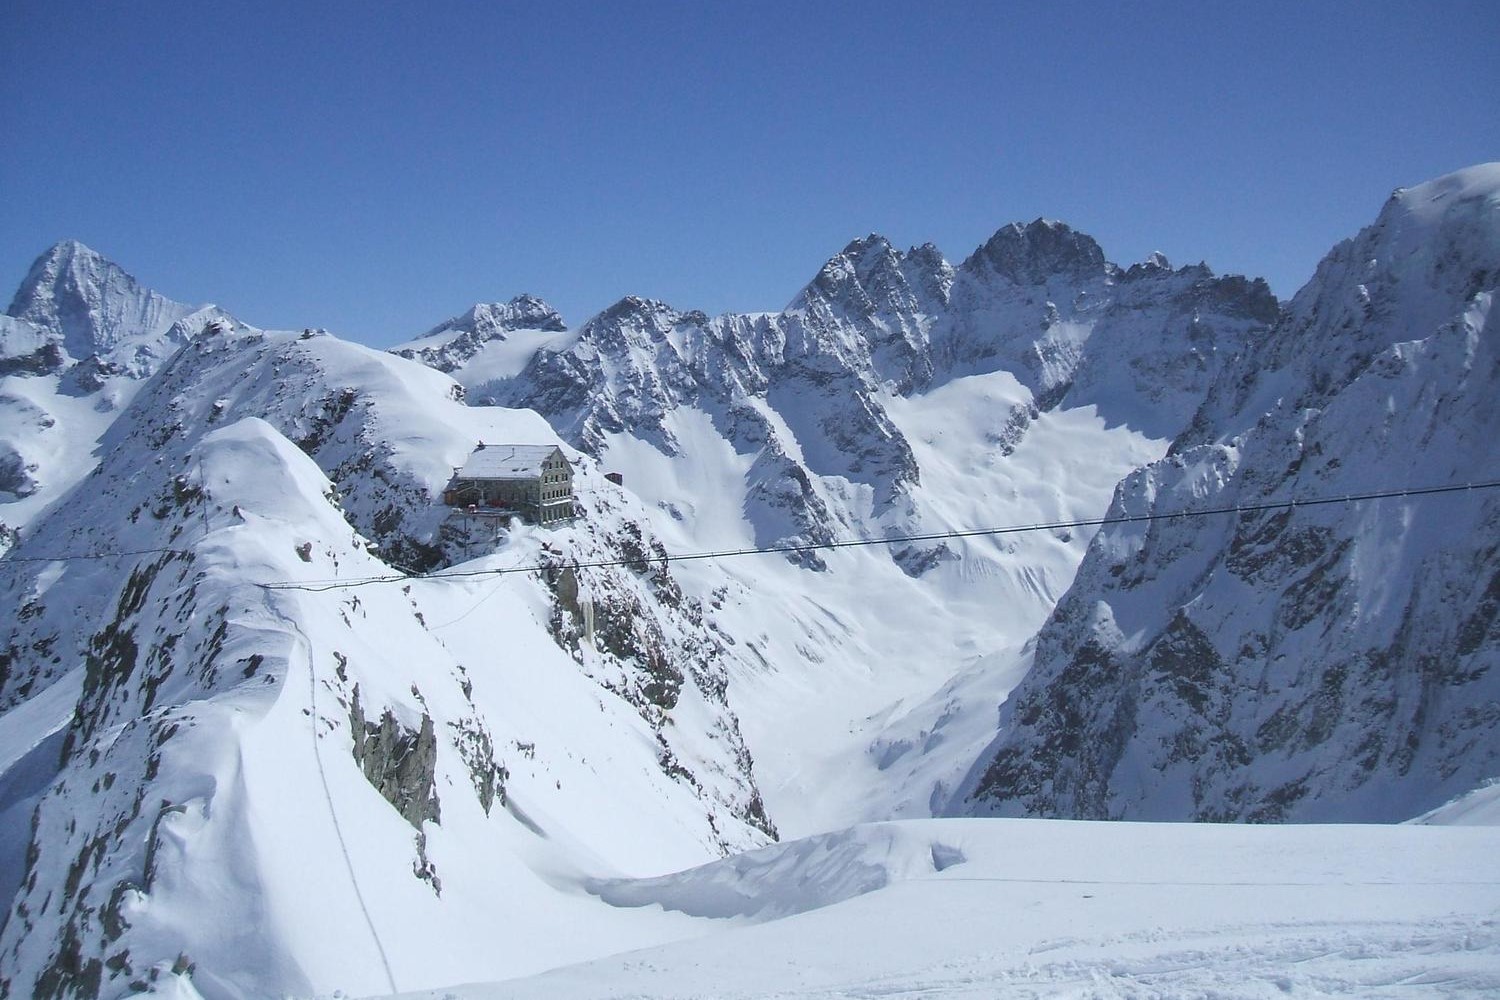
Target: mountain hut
x: 534, y: 481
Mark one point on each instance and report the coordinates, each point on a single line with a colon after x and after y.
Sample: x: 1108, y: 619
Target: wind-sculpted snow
x: 803, y: 875
x: 1328, y: 662
x: 262, y: 791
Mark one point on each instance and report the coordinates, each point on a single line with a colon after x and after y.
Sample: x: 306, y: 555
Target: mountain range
x: 276, y: 721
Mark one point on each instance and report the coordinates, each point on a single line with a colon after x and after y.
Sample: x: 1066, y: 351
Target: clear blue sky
x: 376, y: 167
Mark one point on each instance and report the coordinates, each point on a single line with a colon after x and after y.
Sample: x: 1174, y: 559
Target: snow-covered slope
x: 1317, y: 663
x: 269, y: 789
x: 978, y: 909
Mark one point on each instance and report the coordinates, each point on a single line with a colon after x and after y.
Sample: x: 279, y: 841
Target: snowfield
x: 969, y: 909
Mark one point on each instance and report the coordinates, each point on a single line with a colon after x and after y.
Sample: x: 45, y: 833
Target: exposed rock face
x: 804, y: 392
x: 654, y: 647
x: 401, y: 762
x: 1309, y: 663
x: 1038, y: 253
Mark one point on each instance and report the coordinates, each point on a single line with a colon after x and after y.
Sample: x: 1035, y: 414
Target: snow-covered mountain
x: 453, y: 344
x: 1316, y: 663
x: 75, y: 305
x: 272, y: 721
x: 77, y: 340
x: 235, y: 774
x: 896, y: 394
x: 807, y: 393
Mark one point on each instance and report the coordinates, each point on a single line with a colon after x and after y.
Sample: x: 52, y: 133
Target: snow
x: 1430, y: 202
x: 18, y: 338
x: 1039, y: 908
x: 1480, y: 807
x: 29, y: 723
x: 499, y: 359
x: 248, y: 834
x: 30, y: 740
x: 1285, y: 666
x: 212, y: 758
x: 52, y: 436
x: 829, y: 740
x: 702, y: 499
x: 852, y: 713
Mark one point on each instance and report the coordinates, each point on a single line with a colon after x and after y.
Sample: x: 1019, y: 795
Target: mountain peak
x: 69, y: 249
x: 487, y: 321
x: 1443, y: 217
x: 855, y: 263
x: 89, y: 300
x: 64, y: 260
x: 1480, y: 183
x: 870, y: 275
x: 1030, y: 254
x: 529, y: 305
x: 872, y: 243
x: 635, y: 306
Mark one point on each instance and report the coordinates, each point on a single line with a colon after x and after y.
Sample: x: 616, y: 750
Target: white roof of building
x: 506, y: 461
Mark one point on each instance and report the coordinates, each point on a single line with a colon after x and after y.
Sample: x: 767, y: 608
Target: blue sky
x: 376, y: 167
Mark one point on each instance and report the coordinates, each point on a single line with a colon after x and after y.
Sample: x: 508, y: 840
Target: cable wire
x: 319, y: 586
